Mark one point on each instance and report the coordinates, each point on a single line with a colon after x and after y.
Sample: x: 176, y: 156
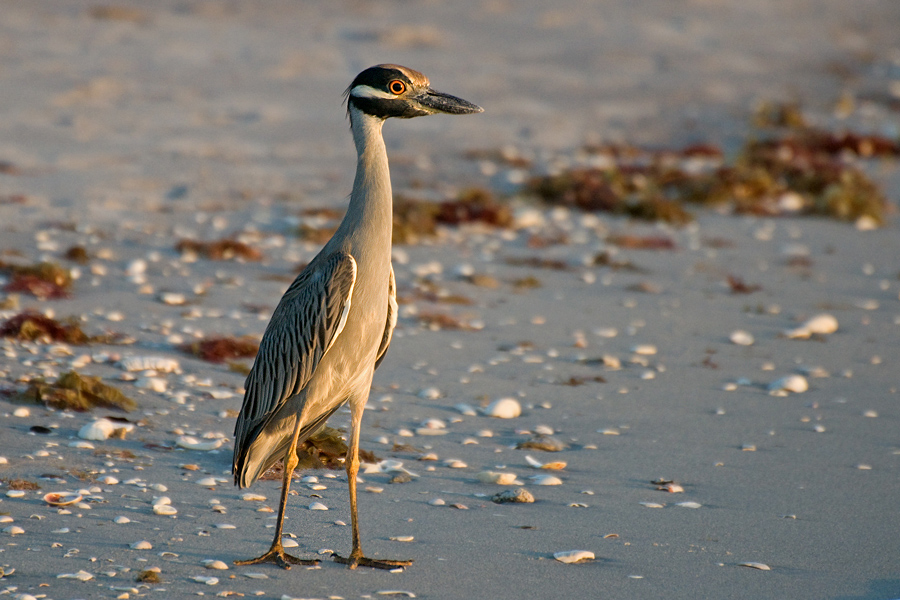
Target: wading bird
x: 333, y: 326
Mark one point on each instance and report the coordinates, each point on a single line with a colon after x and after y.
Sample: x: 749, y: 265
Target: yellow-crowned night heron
x: 334, y: 323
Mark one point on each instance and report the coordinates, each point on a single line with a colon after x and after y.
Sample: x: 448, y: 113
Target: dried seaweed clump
x: 73, y: 391
x: 415, y: 219
x: 794, y: 170
x: 221, y: 349
x: 224, y: 249
x: 32, y: 326
x: 45, y: 280
x: 325, y: 449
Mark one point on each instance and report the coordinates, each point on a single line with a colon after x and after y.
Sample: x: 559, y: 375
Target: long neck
x: 371, y: 202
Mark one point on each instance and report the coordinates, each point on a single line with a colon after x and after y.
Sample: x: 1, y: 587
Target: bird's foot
x: 276, y: 555
x: 354, y: 561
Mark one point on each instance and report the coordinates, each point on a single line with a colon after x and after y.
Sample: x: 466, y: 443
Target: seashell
x: 644, y: 349
x: 251, y: 497
x: 652, y: 504
x: 141, y: 545
x: 431, y: 393
x: 550, y: 466
x: 98, y: 430
x: 13, y: 530
x: 431, y: 431
x: 216, y: 565
x: 289, y: 543
x: 822, y: 324
x: 80, y: 576
x: 672, y: 488
x: 22, y: 411
x: 164, y: 509
x: 466, y: 410
x: 573, y: 556
x: 225, y: 526
x: 402, y: 538
x: 62, y: 498
x: 606, y: 332
x: 15, y: 494
x: 518, y: 495
x: 689, y: 504
x: 455, y: 464
x: 395, y: 593
x: 154, y: 384
x: 317, y: 506
x: 207, y: 481
x: 498, y: 478
x: 790, y: 383
x: 741, y: 337
x: 257, y: 575
x: 756, y: 565
x: 160, y: 364
x: 437, y: 502
x: 191, y: 443
x: 205, y: 579
x: 121, y: 520
x: 546, y: 480
x: 434, y: 424
x: 172, y: 298
x: 504, y: 408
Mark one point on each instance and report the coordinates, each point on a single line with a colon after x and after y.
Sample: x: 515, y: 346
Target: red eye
x: 397, y: 87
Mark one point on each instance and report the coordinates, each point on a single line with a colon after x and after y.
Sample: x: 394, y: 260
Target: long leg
x: 356, y: 557
x: 276, y: 553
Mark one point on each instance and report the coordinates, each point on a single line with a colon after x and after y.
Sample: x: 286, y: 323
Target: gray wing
x: 391, y: 320
x: 305, y: 324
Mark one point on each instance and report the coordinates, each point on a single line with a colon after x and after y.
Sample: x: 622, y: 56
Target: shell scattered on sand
x: 62, y: 498
x: 498, y: 478
x: 796, y: 384
x: 504, y: 408
x: 741, y: 337
x: 822, y: 324
x: 573, y: 556
x: 191, y: 443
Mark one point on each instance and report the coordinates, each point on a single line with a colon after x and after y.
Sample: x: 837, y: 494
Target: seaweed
x: 72, y: 391
x: 222, y: 349
x: 32, y: 326
x: 224, y: 249
x: 44, y: 280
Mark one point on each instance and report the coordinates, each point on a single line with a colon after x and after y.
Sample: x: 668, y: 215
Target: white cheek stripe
x: 366, y: 91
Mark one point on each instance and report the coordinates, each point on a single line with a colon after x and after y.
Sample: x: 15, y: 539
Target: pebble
x: 504, y: 408
x: 518, y: 495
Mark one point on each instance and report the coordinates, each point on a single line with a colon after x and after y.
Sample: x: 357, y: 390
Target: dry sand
x: 127, y: 129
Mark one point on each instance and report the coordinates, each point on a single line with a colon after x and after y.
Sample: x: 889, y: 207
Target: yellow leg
x: 356, y: 558
x: 276, y: 553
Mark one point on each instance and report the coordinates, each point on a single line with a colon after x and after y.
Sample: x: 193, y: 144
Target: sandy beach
x: 707, y: 446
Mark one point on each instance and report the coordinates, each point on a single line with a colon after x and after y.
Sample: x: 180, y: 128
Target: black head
x: 385, y: 91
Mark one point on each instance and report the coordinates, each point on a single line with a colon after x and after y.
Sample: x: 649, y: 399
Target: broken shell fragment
x: 550, y: 466
x: 756, y: 565
x: 573, y: 556
x: 822, y: 324
x: 191, y: 443
x: 62, y: 498
x: 504, y: 408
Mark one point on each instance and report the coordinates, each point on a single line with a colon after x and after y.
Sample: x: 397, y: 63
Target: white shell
x: 504, y: 408
x: 205, y: 579
x: 207, y: 481
x: 498, y: 478
x: 317, y: 506
x: 546, y: 480
x: 191, y: 443
x: 80, y: 576
x: 822, y: 324
x: 98, y: 430
x: 13, y: 530
x: 154, y: 384
x: 251, y: 497
x: 644, y: 349
x: 790, y: 383
x: 165, y: 509
x: 741, y: 337
x: 466, y: 410
x: 217, y: 565
x: 62, y: 498
x: 148, y: 363
x: 689, y: 504
x: 141, y: 545
x: 573, y: 556
x: 756, y: 565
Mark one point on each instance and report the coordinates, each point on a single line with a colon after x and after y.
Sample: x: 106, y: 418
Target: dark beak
x: 439, y: 102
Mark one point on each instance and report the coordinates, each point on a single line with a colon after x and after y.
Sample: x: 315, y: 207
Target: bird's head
x: 385, y: 91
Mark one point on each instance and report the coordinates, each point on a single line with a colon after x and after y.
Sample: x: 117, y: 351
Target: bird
x: 333, y: 326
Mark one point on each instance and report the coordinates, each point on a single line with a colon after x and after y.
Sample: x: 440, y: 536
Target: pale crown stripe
x: 367, y: 91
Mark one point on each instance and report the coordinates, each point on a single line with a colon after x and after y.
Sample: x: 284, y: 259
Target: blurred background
x: 111, y: 105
